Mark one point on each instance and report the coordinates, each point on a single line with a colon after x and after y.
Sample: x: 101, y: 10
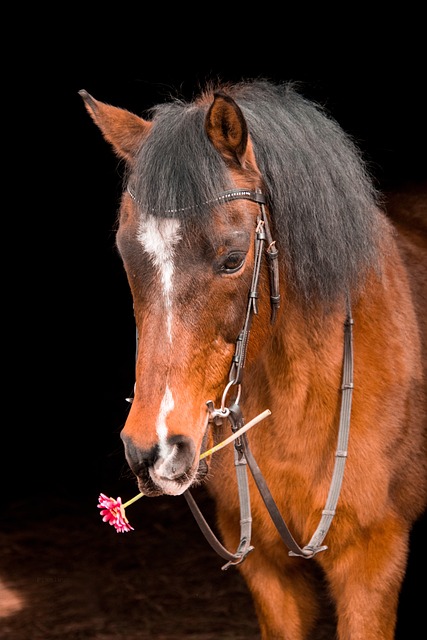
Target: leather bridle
x: 243, y: 456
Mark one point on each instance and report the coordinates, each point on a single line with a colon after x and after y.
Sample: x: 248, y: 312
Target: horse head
x: 191, y: 208
x: 209, y: 187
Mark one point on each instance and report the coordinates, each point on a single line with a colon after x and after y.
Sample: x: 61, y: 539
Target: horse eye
x: 233, y: 262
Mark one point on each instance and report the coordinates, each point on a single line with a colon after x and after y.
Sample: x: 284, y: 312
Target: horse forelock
x: 322, y: 201
x: 178, y: 172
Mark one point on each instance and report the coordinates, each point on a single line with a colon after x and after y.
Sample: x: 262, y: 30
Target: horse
x: 266, y: 274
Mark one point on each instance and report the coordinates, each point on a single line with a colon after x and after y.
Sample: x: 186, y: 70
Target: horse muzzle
x: 166, y: 469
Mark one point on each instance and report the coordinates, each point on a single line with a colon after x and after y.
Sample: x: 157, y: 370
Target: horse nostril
x: 176, y: 457
x: 170, y: 459
x: 138, y: 458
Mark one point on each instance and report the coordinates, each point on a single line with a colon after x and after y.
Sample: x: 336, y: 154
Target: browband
x: 245, y: 194
x: 224, y: 196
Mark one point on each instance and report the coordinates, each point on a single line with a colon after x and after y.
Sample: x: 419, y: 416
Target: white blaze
x: 166, y: 407
x: 158, y: 237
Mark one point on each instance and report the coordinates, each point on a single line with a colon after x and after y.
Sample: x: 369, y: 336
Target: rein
x: 243, y: 456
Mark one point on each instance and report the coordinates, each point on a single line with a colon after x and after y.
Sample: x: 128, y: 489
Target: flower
x: 113, y: 512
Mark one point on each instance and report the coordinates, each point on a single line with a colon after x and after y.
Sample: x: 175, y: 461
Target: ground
x: 66, y: 575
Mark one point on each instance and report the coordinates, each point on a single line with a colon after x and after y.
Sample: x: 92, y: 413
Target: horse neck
x: 303, y: 357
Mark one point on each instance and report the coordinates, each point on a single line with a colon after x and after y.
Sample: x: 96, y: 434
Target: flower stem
x: 132, y: 500
x: 218, y: 446
x: 237, y: 433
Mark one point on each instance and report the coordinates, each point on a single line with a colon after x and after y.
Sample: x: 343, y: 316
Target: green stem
x: 134, y: 499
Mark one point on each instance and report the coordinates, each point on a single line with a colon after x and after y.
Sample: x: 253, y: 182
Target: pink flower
x: 113, y: 512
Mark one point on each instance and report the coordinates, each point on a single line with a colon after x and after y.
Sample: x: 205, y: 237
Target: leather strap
x: 347, y: 387
x: 315, y: 544
x: 233, y: 558
x: 243, y: 455
x: 262, y: 235
x: 244, y: 547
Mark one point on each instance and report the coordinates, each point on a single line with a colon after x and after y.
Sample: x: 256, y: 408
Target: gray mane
x: 322, y: 201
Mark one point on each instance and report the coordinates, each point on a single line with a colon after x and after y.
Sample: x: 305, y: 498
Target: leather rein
x: 243, y: 456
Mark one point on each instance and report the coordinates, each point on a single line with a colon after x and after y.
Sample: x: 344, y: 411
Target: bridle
x: 243, y: 456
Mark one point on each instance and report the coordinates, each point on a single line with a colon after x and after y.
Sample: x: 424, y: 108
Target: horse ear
x: 226, y: 128
x: 121, y: 128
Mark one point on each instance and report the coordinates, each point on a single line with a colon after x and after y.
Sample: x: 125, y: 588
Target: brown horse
x: 266, y: 275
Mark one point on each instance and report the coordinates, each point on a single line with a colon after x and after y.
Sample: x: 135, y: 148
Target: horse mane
x: 323, y: 203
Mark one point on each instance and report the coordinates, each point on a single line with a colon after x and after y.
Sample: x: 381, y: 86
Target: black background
x: 69, y: 316
x: 73, y: 318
